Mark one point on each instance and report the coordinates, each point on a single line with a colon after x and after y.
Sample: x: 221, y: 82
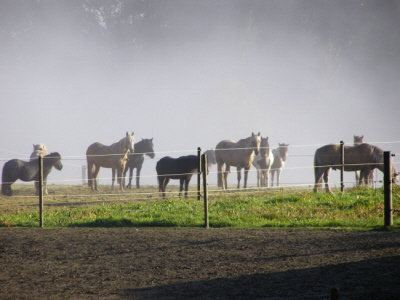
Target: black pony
x: 15, y: 169
x: 181, y: 168
x: 135, y: 160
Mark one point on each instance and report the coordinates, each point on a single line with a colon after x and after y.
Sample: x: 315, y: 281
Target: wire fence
x: 298, y: 174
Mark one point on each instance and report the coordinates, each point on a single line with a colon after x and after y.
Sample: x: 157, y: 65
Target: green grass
x: 357, y: 208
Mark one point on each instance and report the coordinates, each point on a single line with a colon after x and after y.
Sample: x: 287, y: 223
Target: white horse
x: 38, y: 149
x: 263, y: 162
x: 280, y: 155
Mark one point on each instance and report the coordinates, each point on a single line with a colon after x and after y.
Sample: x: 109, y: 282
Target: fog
x: 192, y: 73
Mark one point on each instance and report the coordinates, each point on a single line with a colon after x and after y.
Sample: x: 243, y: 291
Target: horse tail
x: 90, y: 173
x: 317, y: 163
x: 5, y: 185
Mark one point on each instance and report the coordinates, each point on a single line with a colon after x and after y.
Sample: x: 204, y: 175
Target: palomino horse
x: 263, y: 162
x: 363, y: 158
x: 28, y: 171
x: 113, y: 156
x: 239, y: 155
x: 280, y: 156
x: 136, y: 159
x: 181, y: 168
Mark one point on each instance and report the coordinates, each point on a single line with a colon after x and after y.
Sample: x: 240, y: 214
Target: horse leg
x: 326, y: 178
x: 165, y: 182
x: 90, y: 174
x: 181, y: 182
x: 120, y: 179
x: 220, y: 175
x: 246, y: 174
x: 239, y: 177
x: 272, y: 177
x: 6, y: 189
x: 138, y: 169
x: 94, y: 179
x: 278, y: 176
x: 112, y: 178
x: 129, y: 186
x: 186, y: 187
x: 318, y: 178
x: 225, y: 178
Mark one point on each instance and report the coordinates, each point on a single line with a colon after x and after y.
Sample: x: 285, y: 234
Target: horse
x: 15, y: 169
x: 280, y: 156
x: 363, y: 158
x: 136, y: 159
x: 262, y: 162
x: 239, y: 155
x: 38, y: 150
x: 114, y: 156
x: 181, y: 168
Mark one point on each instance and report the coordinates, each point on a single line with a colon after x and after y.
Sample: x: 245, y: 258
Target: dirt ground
x: 150, y: 263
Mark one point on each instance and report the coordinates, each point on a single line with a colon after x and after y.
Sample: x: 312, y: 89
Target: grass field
x: 77, y: 206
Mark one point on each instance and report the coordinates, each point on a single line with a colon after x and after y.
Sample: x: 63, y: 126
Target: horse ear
x: 259, y: 134
x: 132, y: 133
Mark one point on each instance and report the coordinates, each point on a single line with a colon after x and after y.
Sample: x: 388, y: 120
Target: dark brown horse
x: 114, y: 156
x: 363, y: 158
x: 239, y: 155
x: 16, y: 169
x: 181, y: 168
x: 136, y: 159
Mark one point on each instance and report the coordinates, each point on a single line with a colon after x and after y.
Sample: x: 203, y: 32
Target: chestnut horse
x: 363, y: 158
x: 239, y: 155
x: 114, y: 156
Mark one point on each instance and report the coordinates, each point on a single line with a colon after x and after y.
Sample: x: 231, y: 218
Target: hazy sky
x: 192, y: 73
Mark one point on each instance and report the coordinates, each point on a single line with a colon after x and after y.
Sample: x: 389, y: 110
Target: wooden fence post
x: 40, y: 191
x: 84, y: 173
x: 342, y: 166
x: 204, y: 163
x: 387, y: 187
x: 199, y: 168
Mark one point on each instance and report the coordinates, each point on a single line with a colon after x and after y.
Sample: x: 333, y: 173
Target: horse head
x: 264, y: 147
x: 148, y: 148
x: 129, y: 142
x: 283, y: 151
x: 358, y: 140
x: 210, y: 157
x: 39, y: 147
x: 256, y: 142
x: 54, y: 159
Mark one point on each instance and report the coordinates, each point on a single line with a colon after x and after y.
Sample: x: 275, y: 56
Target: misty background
x: 192, y: 73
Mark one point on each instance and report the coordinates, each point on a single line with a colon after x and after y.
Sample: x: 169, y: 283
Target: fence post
x: 204, y: 163
x: 84, y: 173
x: 387, y: 187
x: 341, y: 166
x: 199, y: 169
x: 40, y: 191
